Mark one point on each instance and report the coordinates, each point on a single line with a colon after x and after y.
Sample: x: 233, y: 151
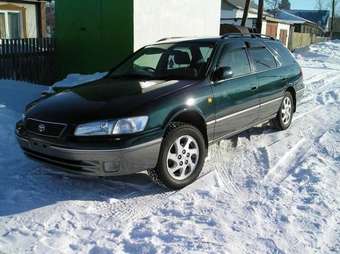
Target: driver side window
x: 237, y: 60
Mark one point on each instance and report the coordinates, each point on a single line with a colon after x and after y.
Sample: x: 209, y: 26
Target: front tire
x: 284, y: 117
x: 181, y: 158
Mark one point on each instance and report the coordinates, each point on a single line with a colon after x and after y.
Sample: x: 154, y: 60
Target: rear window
x: 281, y: 53
x: 263, y: 59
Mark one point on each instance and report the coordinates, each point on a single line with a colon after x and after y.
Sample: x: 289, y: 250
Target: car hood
x: 103, y: 99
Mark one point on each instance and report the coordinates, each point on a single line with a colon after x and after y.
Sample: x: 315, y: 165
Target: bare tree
x: 320, y: 5
x: 271, y: 4
x: 334, y: 4
x: 326, y: 4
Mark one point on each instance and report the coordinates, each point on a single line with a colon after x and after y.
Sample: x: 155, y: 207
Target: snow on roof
x: 284, y: 15
x: 319, y: 17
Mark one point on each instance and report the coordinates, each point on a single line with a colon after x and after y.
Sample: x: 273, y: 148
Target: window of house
x: 14, y: 25
x: 263, y: 59
x: 10, y: 25
x: 2, y: 26
x: 237, y: 60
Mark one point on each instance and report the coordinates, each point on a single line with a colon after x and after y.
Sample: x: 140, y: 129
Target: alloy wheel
x: 286, y: 111
x: 183, y: 157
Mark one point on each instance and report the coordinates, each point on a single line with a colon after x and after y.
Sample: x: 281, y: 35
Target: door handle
x: 254, y: 88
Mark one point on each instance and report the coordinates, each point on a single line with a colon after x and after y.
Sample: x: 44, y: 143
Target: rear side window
x: 237, y: 60
x: 263, y: 59
x: 282, y: 54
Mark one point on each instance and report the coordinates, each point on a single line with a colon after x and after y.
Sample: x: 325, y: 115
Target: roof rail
x: 169, y: 38
x: 251, y: 35
x: 264, y: 36
x: 235, y: 35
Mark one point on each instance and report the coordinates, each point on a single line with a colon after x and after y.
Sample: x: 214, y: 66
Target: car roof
x: 216, y: 39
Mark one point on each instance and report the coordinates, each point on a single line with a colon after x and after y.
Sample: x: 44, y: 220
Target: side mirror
x: 222, y: 73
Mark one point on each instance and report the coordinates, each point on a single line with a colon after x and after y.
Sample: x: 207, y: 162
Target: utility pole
x: 245, y: 13
x: 333, y: 19
x: 259, y: 17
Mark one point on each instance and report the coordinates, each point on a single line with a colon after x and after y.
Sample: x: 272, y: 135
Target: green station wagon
x: 161, y: 108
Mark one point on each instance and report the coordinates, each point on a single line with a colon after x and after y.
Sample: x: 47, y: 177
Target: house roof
x: 285, y: 15
x: 319, y: 17
x: 240, y: 4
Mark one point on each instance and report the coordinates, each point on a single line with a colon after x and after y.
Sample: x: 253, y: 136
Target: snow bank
x: 276, y: 192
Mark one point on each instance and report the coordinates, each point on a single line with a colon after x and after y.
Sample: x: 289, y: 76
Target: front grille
x: 45, y: 128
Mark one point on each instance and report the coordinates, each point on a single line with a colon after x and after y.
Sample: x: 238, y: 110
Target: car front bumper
x: 94, y: 162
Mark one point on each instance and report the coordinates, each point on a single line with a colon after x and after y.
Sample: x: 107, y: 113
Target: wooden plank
x: 28, y: 59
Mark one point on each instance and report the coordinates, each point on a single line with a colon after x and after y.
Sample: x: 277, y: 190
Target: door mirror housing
x: 222, y: 73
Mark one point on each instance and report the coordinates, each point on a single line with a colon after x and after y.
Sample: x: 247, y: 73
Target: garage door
x: 272, y: 29
x: 283, y: 36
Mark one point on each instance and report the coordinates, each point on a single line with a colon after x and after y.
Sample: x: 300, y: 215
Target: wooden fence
x: 300, y: 40
x: 30, y: 60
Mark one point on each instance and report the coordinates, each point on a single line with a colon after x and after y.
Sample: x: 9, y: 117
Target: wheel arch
x: 190, y: 116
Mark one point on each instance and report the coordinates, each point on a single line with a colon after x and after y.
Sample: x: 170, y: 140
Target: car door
x: 271, y: 81
x: 236, y: 100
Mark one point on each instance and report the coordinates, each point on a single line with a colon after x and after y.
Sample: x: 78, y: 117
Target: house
x: 232, y: 13
x: 301, y: 25
x: 303, y: 32
x: 277, y: 28
x: 22, y: 19
x: 96, y: 35
x: 319, y: 17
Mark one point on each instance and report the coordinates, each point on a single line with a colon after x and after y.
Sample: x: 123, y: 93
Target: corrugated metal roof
x: 282, y: 14
x: 319, y: 17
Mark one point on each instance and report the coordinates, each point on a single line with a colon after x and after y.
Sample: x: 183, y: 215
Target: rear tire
x: 284, y: 117
x: 181, y: 157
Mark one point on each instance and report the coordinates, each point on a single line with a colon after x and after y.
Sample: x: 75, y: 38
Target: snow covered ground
x: 276, y: 192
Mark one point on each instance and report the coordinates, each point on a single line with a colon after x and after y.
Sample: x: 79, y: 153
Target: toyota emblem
x: 41, y: 128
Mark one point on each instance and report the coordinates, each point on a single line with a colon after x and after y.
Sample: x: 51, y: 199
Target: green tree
x: 285, y: 5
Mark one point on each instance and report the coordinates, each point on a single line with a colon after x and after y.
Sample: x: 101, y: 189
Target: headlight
x: 122, y: 126
x: 130, y: 125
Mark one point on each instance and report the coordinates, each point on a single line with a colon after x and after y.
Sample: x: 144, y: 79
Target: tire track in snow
x: 289, y: 161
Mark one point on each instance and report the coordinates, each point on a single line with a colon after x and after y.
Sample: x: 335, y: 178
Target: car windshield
x: 168, y: 61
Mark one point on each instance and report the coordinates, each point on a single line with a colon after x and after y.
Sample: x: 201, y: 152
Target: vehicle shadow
x: 26, y: 185
x: 36, y: 186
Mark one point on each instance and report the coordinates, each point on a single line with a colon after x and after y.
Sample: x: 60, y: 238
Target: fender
x: 180, y: 110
